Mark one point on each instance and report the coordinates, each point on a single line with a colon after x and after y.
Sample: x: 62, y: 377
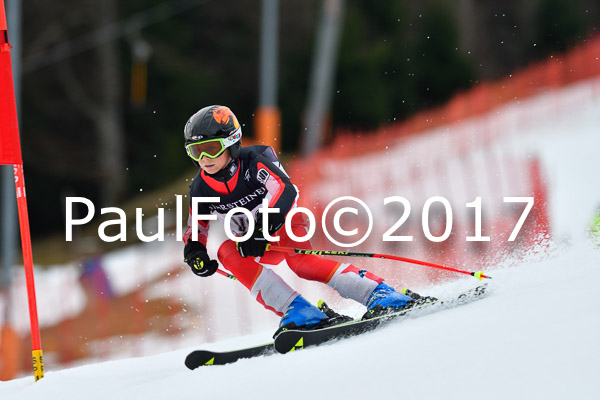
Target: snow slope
x: 534, y: 336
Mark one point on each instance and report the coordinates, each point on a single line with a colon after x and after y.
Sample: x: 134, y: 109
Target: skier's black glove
x: 196, y: 256
x: 255, y: 246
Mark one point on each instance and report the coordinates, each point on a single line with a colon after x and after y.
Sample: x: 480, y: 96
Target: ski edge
x: 461, y: 298
x: 200, y: 358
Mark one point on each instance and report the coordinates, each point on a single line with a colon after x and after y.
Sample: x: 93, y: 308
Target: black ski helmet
x: 214, y: 122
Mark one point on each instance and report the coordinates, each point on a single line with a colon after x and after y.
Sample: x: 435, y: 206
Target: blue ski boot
x: 385, y: 300
x: 300, y: 314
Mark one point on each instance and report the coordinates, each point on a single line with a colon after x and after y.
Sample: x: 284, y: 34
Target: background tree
x: 83, y: 136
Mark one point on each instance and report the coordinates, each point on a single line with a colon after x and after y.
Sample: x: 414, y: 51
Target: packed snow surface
x: 535, y: 335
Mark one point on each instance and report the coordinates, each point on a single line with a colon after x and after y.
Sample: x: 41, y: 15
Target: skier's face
x: 214, y: 165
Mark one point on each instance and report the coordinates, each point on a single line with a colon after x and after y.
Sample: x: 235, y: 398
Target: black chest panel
x: 246, y: 191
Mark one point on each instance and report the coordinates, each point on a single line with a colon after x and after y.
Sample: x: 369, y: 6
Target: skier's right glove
x: 255, y: 246
x: 196, y: 256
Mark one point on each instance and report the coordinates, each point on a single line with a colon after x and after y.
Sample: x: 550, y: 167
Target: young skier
x: 243, y: 177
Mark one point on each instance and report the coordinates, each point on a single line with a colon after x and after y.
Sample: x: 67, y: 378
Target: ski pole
x: 479, y: 275
x: 226, y: 274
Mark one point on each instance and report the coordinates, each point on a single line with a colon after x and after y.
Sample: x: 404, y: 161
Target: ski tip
x: 198, y: 358
x: 189, y: 362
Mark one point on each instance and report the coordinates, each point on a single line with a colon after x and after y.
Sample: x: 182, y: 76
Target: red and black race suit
x: 257, y: 174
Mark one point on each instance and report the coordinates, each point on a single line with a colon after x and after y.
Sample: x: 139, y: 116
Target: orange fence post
x: 267, y: 127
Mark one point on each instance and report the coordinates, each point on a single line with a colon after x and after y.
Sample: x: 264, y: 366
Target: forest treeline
x: 108, y: 85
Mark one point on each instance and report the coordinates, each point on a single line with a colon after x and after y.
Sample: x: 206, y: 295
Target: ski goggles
x: 211, y: 148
